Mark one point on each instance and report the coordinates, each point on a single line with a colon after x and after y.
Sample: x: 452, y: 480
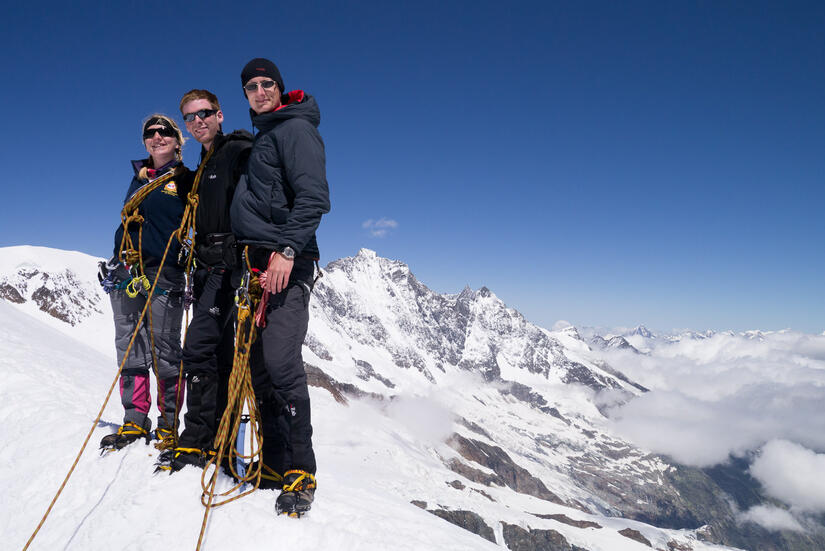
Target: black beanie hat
x: 260, y: 67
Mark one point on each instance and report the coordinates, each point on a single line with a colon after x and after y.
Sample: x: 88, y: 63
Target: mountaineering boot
x: 125, y: 435
x: 173, y: 460
x: 297, y: 495
x: 166, y: 439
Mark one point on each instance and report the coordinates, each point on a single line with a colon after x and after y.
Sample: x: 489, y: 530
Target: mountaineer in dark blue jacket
x: 276, y: 211
x: 151, y: 214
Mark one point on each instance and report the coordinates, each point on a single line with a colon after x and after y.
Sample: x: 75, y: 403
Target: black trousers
x: 207, y: 356
x: 278, y: 350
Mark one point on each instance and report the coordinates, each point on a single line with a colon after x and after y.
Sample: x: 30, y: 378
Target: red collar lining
x: 295, y: 96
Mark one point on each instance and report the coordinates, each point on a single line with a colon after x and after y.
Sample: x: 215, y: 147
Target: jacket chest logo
x: 213, y: 176
x: 170, y: 189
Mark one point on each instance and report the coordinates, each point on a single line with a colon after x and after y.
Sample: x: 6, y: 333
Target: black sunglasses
x: 163, y: 131
x: 201, y: 114
x: 252, y: 86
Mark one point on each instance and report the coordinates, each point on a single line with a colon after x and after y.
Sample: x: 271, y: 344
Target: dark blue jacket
x: 281, y: 199
x: 162, y: 211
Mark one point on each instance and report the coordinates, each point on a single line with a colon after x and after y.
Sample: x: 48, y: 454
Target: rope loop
x: 131, y: 257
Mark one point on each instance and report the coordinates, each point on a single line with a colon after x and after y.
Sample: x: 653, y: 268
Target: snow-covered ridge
x: 455, y: 404
x: 59, y: 288
x: 54, y: 280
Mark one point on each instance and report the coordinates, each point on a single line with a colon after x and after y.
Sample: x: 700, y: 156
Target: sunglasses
x: 163, y: 131
x: 202, y: 114
x: 253, y: 86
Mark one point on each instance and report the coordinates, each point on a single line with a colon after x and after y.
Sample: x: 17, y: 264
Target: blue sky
x: 605, y: 163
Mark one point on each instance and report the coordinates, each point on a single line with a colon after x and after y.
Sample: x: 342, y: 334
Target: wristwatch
x: 287, y: 252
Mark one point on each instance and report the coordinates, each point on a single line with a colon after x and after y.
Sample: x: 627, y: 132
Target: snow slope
x: 421, y: 407
x: 370, y: 463
x: 48, y: 399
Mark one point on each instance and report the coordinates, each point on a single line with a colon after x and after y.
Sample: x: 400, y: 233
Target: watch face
x: 288, y: 252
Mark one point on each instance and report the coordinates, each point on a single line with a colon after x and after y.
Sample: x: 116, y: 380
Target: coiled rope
x: 241, y: 395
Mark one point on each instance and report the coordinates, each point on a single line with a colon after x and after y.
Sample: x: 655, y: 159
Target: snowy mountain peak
x: 468, y: 295
x: 641, y: 331
x: 52, y: 281
x: 377, y: 312
x: 367, y: 254
x: 368, y: 263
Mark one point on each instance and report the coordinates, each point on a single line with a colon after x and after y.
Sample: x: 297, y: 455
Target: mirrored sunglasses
x: 201, y: 114
x: 253, y: 86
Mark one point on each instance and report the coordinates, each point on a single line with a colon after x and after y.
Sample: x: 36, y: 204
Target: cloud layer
x: 380, y: 227
x: 728, y: 394
x: 793, y: 474
x: 772, y: 518
x: 755, y: 394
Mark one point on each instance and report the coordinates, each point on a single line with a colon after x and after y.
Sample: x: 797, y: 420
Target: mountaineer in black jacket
x: 276, y: 211
x: 209, y: 347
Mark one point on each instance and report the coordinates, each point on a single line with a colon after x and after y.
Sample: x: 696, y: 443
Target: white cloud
x: 425, y: 417
x: 728, y: 394
x: 793, y: 474
x: 703, y: 432
x: 380, y: 227
x: 772, y: 518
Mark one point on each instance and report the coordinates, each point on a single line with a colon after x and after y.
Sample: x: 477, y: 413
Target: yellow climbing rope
x: 130, y: 214
x: 241, y: 395
x: 185, y: 235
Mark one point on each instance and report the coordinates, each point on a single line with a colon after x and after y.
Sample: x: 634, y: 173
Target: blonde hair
x: 143, y: 173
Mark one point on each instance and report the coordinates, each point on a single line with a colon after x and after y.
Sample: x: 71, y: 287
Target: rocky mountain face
x: 517, y: 448
x: 61, y: 294
x: 376, y: 328
x: 379, y: 304
x: 617, y: 342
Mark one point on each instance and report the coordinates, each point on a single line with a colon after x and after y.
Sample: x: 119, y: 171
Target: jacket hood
x: 297, y: 105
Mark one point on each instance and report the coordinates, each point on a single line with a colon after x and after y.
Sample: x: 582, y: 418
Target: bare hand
x: 277, y: 273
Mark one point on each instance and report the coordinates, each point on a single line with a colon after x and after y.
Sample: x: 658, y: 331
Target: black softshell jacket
x: 281, y: 199
x: 218, y: 181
